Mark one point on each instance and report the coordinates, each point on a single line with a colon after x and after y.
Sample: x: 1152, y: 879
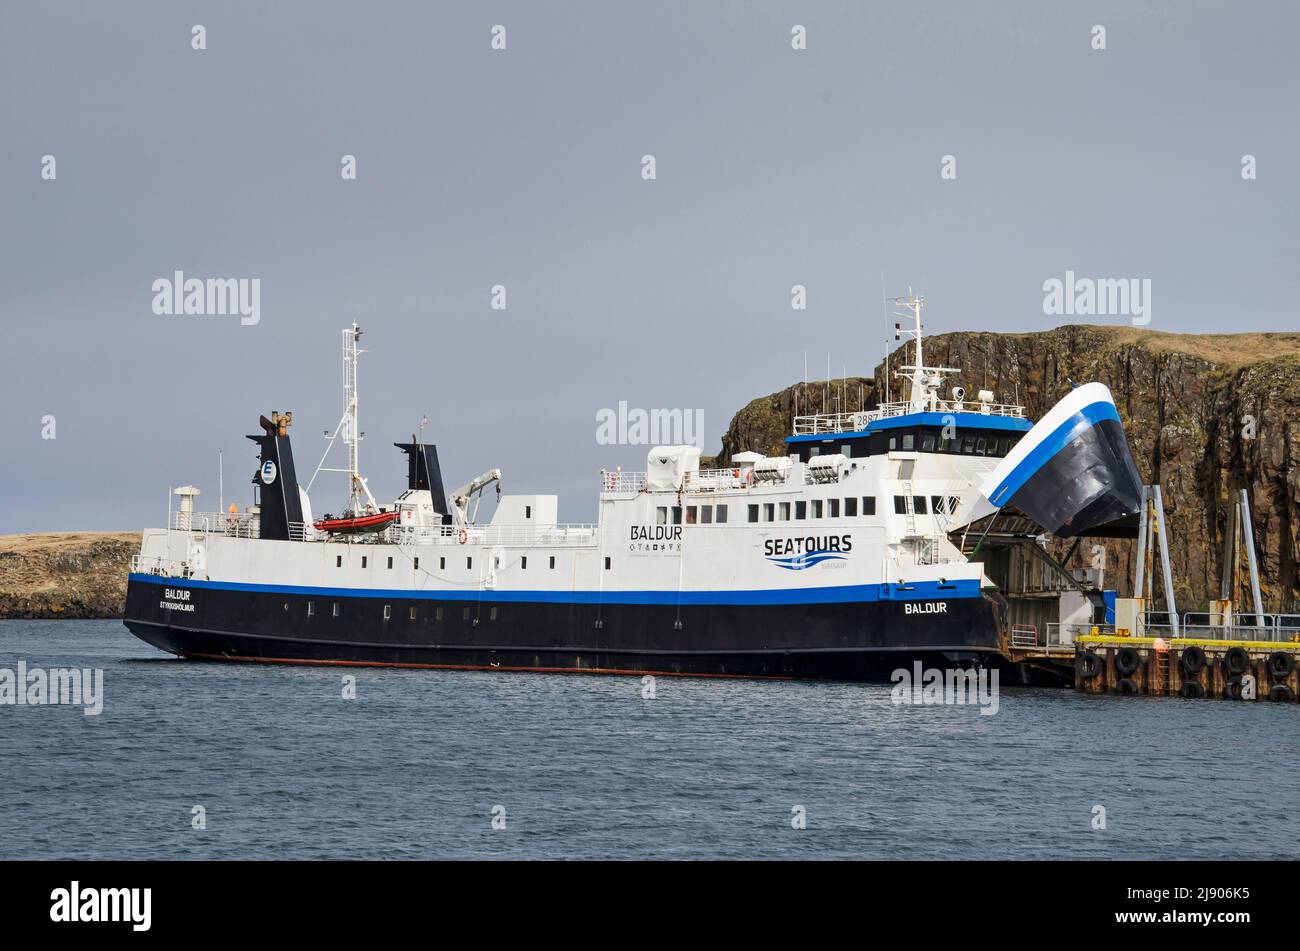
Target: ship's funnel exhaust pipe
x: 276, y: 479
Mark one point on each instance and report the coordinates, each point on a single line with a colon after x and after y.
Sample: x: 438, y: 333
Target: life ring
x: 1127, y: 661
x: 1126, y: 687
x: 1236, y: 661
x: 1191, y: 690
x: 463, y: 536
x: 1192, y: 660
x: 1280, y: 665
x: 1281, y: 693
x: 1090, y: 665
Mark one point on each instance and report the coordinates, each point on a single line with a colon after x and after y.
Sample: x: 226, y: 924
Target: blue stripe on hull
x: 844, y: 594
x: 1061, y: 437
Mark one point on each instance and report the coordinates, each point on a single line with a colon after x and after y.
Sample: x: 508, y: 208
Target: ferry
x: 844, y: 558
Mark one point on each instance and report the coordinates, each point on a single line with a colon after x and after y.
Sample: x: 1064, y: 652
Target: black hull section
x: 850, y: 641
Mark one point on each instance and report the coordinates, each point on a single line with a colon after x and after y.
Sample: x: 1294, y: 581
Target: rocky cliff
x: 1205, y: 415
x: 65, y: 574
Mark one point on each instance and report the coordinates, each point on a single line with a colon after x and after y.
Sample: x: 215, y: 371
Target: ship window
x: 338, y: 561
x: 918, y: 504
x: 496, y: 563
x: 442, y: 564
x: 785, y: 511
x: 417, y: 564
x: 722, y: 514
x: 753, y: 513
x: 800, y: 510
x: 690, y: 515
x: 464, y: 614
x: 953, y: 501
x: 469, y: 563
x: 817, y: 508
x: 893, y: 443
x: 980, y: 445
x: 661, y: 515
x: 677, y: 515
x: 900, y: 505
x: 552, y: 561
x: 908, y: 441
x: 311, y: 608
x: 846, y: 449
x: 437, y: 615
x: 388, y: 611
x: 936, y: 504
x: 706, y: 515
x: 390, y: 564
x: 927, y: 442
x: 868, y: 505
x: 607, y: 562
x: 412, y: 614
x: 832, y: 508
x: 814, y: 451
x: 492, y: 615
x: 523, y: 562
x: 968, y: 446
x: 363, y: 561
x: 335, y: 610
x: 528, y: 511
x: 850, y: 507
x: 769, y: 511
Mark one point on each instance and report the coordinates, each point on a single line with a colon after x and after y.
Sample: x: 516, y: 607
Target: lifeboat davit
x: 355, y: 523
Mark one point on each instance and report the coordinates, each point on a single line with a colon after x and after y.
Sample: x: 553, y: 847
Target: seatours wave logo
x: 796, y: 554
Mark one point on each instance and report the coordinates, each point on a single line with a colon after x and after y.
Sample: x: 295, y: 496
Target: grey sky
x: 522, y: 168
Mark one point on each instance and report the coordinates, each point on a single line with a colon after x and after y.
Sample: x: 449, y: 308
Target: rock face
x: 1206, y: 415
x: 65, y: 574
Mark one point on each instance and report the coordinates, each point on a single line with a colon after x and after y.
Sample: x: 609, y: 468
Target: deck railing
x: 831, y: 423
x: 578, y: 535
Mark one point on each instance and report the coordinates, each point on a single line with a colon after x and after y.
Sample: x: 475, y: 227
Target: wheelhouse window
x: 850, y: 508
x: 753, y: 513
x: 868, y: 505
x: 692, y: 514
x: 706, y: 515
x: 833, y: 508
x: 816, y: 508
x: 800, y: 510
x: 785, y: 511
x: 769, y: 511
x: 918, y: 504
x: 722, y: 514
x: 661, y: 515
x: 900, y: 505
x: 677, y: 515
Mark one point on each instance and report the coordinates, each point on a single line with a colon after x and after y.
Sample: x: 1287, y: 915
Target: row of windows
x: 939, y: 504
x: 963, y: 442
x: 820, y: 508
x: 695, y: 515
x: 412, y: 612
x: 442, y: 562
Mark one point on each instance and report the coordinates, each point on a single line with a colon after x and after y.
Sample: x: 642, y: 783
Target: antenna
x: 349, y: 428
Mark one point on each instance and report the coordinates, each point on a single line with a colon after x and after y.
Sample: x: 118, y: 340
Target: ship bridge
x: 926, y: 421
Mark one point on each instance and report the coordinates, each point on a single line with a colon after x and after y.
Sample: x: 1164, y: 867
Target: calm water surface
x: 585, y: 767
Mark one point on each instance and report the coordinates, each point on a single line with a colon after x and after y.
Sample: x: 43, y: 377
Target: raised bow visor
x: 1073, y: 471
